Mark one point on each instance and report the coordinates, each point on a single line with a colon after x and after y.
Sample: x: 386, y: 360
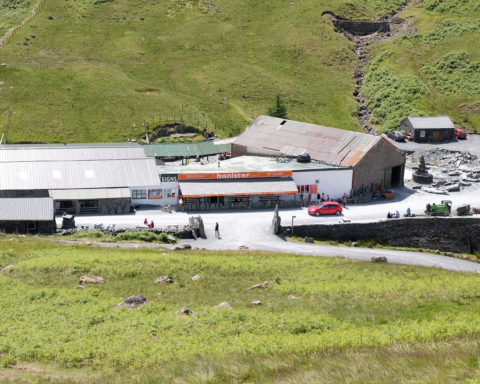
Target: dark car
x: 460, y: 133
x: 325, y: 208
x: 396, y: 136
x: 303, y: 158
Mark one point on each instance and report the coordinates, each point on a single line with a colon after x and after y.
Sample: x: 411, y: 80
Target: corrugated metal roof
x: 431, y: 122
x: 31, y: 209
x: 202, y: 148
x: 70, y: 154
x: 78, y: 174
x: 238, y: 187
x: 330, y: 145
x: 71, y: 145
x: 87, y: 194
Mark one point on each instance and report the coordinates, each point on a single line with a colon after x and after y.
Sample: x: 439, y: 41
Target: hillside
x: 96, y: 67
x: 320, y: 319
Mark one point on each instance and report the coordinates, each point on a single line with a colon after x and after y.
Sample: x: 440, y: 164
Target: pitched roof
x: 430, y: 122
x: 78, y: 174
x: 26, y: 154
x: 271, y: 135
x: 34, y: 209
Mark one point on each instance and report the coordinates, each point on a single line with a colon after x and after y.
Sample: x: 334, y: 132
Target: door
x: 436, y: 136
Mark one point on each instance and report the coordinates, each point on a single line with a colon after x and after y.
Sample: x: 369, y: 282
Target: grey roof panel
x: 70, y: 153
x: 431, y: 122
x: 89, y: 194
x: 78, y: 174
x: 202, y: 148
x: 32, y: 209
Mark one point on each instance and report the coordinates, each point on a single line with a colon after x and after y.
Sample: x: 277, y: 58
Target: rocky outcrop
x: 91, y: 280
x: 133, y: 301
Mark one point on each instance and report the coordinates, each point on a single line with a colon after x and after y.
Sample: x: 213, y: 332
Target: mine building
x: 27, y: 215
x: 376, y: 164
x: 85, y: 178
x: 428, y: 128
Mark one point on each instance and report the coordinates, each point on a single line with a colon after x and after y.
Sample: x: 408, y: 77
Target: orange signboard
x: 233, y: 175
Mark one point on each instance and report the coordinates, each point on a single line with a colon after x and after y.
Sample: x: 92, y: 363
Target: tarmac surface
x: 251, y: 228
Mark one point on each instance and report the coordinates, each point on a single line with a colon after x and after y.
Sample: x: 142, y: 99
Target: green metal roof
x: 202, y: 148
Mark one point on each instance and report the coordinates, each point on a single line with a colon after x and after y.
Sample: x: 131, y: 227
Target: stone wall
x: 42, y: 227
x: 362, y: 28
x: 371, y: 169
x: 454, y: 234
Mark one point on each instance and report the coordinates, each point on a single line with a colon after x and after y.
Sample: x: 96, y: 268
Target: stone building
x: 428, y: 129
x: 376, y: 162
x: 27, y: 215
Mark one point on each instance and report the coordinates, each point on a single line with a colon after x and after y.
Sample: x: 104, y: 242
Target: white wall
x: 331, y: 182
x: 163, y: 201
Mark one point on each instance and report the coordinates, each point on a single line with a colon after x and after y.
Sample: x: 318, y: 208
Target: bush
x: 147, y: 236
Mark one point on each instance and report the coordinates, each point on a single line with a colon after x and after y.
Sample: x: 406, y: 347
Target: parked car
x: 325, y: 208
x: 396, y: 136
x: 460, y: 133
x: 303, y: 158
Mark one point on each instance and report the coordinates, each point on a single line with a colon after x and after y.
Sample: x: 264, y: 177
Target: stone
x: 133, y: 301
x: 291, y: 297
x: 308, y: 239
x: 421, y: 175
x: 164, y: 280
x: 171, y: 238
x: 183, y: 247
x: 51, y: 17
x: 86, y: 279
x: 223, y: 305
x: 185, y: 311
x: 6, y: 269
x: 80, y: 287
x: 379, y: 259
x: 243, y: 247
x: 196, y: 278
x: 256, y: 302
x: 259, y: 286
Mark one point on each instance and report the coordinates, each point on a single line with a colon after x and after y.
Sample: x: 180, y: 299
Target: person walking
x: 323, y: 197
x: 217, y: 232
x: 328, y: 197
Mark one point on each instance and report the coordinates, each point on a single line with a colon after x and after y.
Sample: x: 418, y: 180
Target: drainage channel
x: 362, y: 34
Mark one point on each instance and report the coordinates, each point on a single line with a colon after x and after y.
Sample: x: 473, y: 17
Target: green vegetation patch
x: 446, y: 29
x: 390, y: 96
x: 460, y: 7
x: 455, y: 72
x: 336, y: 304
x: 12, y: 12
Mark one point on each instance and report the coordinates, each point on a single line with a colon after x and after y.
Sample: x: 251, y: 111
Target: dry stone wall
x: 460, y: 235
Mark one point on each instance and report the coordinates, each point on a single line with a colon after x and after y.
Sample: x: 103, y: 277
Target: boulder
x: 308, y: 239
x: 196, y: 278
x: 6, y: 269
x: 291, y: 297
x: 259, y: 286
x: 133, y: 301
x: 185, y: 311
x: 182, y: 247
x: 379, y: 259
x: 164, y: 280
x: 256, y: 302
x: 91, y: 280
x: 223, y: 305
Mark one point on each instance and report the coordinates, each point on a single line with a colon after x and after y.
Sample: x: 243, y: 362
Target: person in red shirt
x: 151, y: 224
x: 145, y: 222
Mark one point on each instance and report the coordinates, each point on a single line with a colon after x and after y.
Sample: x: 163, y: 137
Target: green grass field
x: 101, y: 66
x: 349, y: 321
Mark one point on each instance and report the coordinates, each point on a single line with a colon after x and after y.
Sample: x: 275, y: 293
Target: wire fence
x: 5, y: 38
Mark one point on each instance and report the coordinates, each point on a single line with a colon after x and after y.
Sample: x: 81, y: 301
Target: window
x: 154, y: 193
x: 139, y: 194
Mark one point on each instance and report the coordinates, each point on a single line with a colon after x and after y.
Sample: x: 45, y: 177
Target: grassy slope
x: 78, y: 80
x: 344, y: 308
x: 399, y: 82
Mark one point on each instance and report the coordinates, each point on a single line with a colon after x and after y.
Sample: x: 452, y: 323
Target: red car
x: 325, y: 208
x: 460, y: 133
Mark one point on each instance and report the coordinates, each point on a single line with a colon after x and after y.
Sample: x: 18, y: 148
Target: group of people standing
x: 149, y: 225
